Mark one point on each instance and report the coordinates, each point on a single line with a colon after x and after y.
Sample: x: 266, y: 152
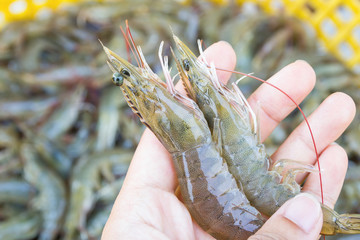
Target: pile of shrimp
x: 225, y: 176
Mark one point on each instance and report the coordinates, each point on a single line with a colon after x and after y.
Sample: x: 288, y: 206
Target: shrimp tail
x: 335, y: 223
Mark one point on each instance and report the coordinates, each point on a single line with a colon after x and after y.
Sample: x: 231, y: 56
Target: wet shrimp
x: 265, y: 188
x: 208, y: 189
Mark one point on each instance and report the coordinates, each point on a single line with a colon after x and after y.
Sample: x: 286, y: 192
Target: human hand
x: 148, y: 208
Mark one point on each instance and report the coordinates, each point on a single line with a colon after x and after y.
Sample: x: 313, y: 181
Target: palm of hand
x: 152, y: 208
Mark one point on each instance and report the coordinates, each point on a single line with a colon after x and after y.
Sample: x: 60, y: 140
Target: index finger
x: 297, y: 80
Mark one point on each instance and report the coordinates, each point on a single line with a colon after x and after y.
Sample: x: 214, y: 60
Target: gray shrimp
x: 266, y: 189
x: 51, y: 200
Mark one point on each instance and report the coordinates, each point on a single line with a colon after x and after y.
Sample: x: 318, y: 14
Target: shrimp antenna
x: 302, y: 113
x: 132, y: 41
x: 202, y: 43
x: 128, y: 45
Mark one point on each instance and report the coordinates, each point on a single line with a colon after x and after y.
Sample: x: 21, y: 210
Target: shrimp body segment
x: 267, y: 189
x: 209, y: 190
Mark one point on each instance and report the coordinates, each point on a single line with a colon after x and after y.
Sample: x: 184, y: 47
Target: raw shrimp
x: 265, y: 188
x: 16, y: 191
x: 26, y: 225
x: 51, y: 199
x: 86, y: 179
x: 208, y: 189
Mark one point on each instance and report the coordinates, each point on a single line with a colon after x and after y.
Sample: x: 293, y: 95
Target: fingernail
x: 304, y: 211
x: 299, y: 60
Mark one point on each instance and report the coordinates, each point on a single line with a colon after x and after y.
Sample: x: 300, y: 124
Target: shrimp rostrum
x: 214, y: 146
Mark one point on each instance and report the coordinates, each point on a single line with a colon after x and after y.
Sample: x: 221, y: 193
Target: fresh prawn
x: 241, y: 146
x: 208, y: 189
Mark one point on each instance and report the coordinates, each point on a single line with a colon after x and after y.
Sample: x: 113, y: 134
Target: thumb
x: 299, y: 218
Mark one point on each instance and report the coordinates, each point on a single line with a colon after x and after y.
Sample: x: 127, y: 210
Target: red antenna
x: 133, y: 42
x: 128, y: 45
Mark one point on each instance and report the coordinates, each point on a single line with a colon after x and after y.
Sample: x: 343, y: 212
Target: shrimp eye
x: 117, y: 79
x: 125, y: 73
x: 186, y: 65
